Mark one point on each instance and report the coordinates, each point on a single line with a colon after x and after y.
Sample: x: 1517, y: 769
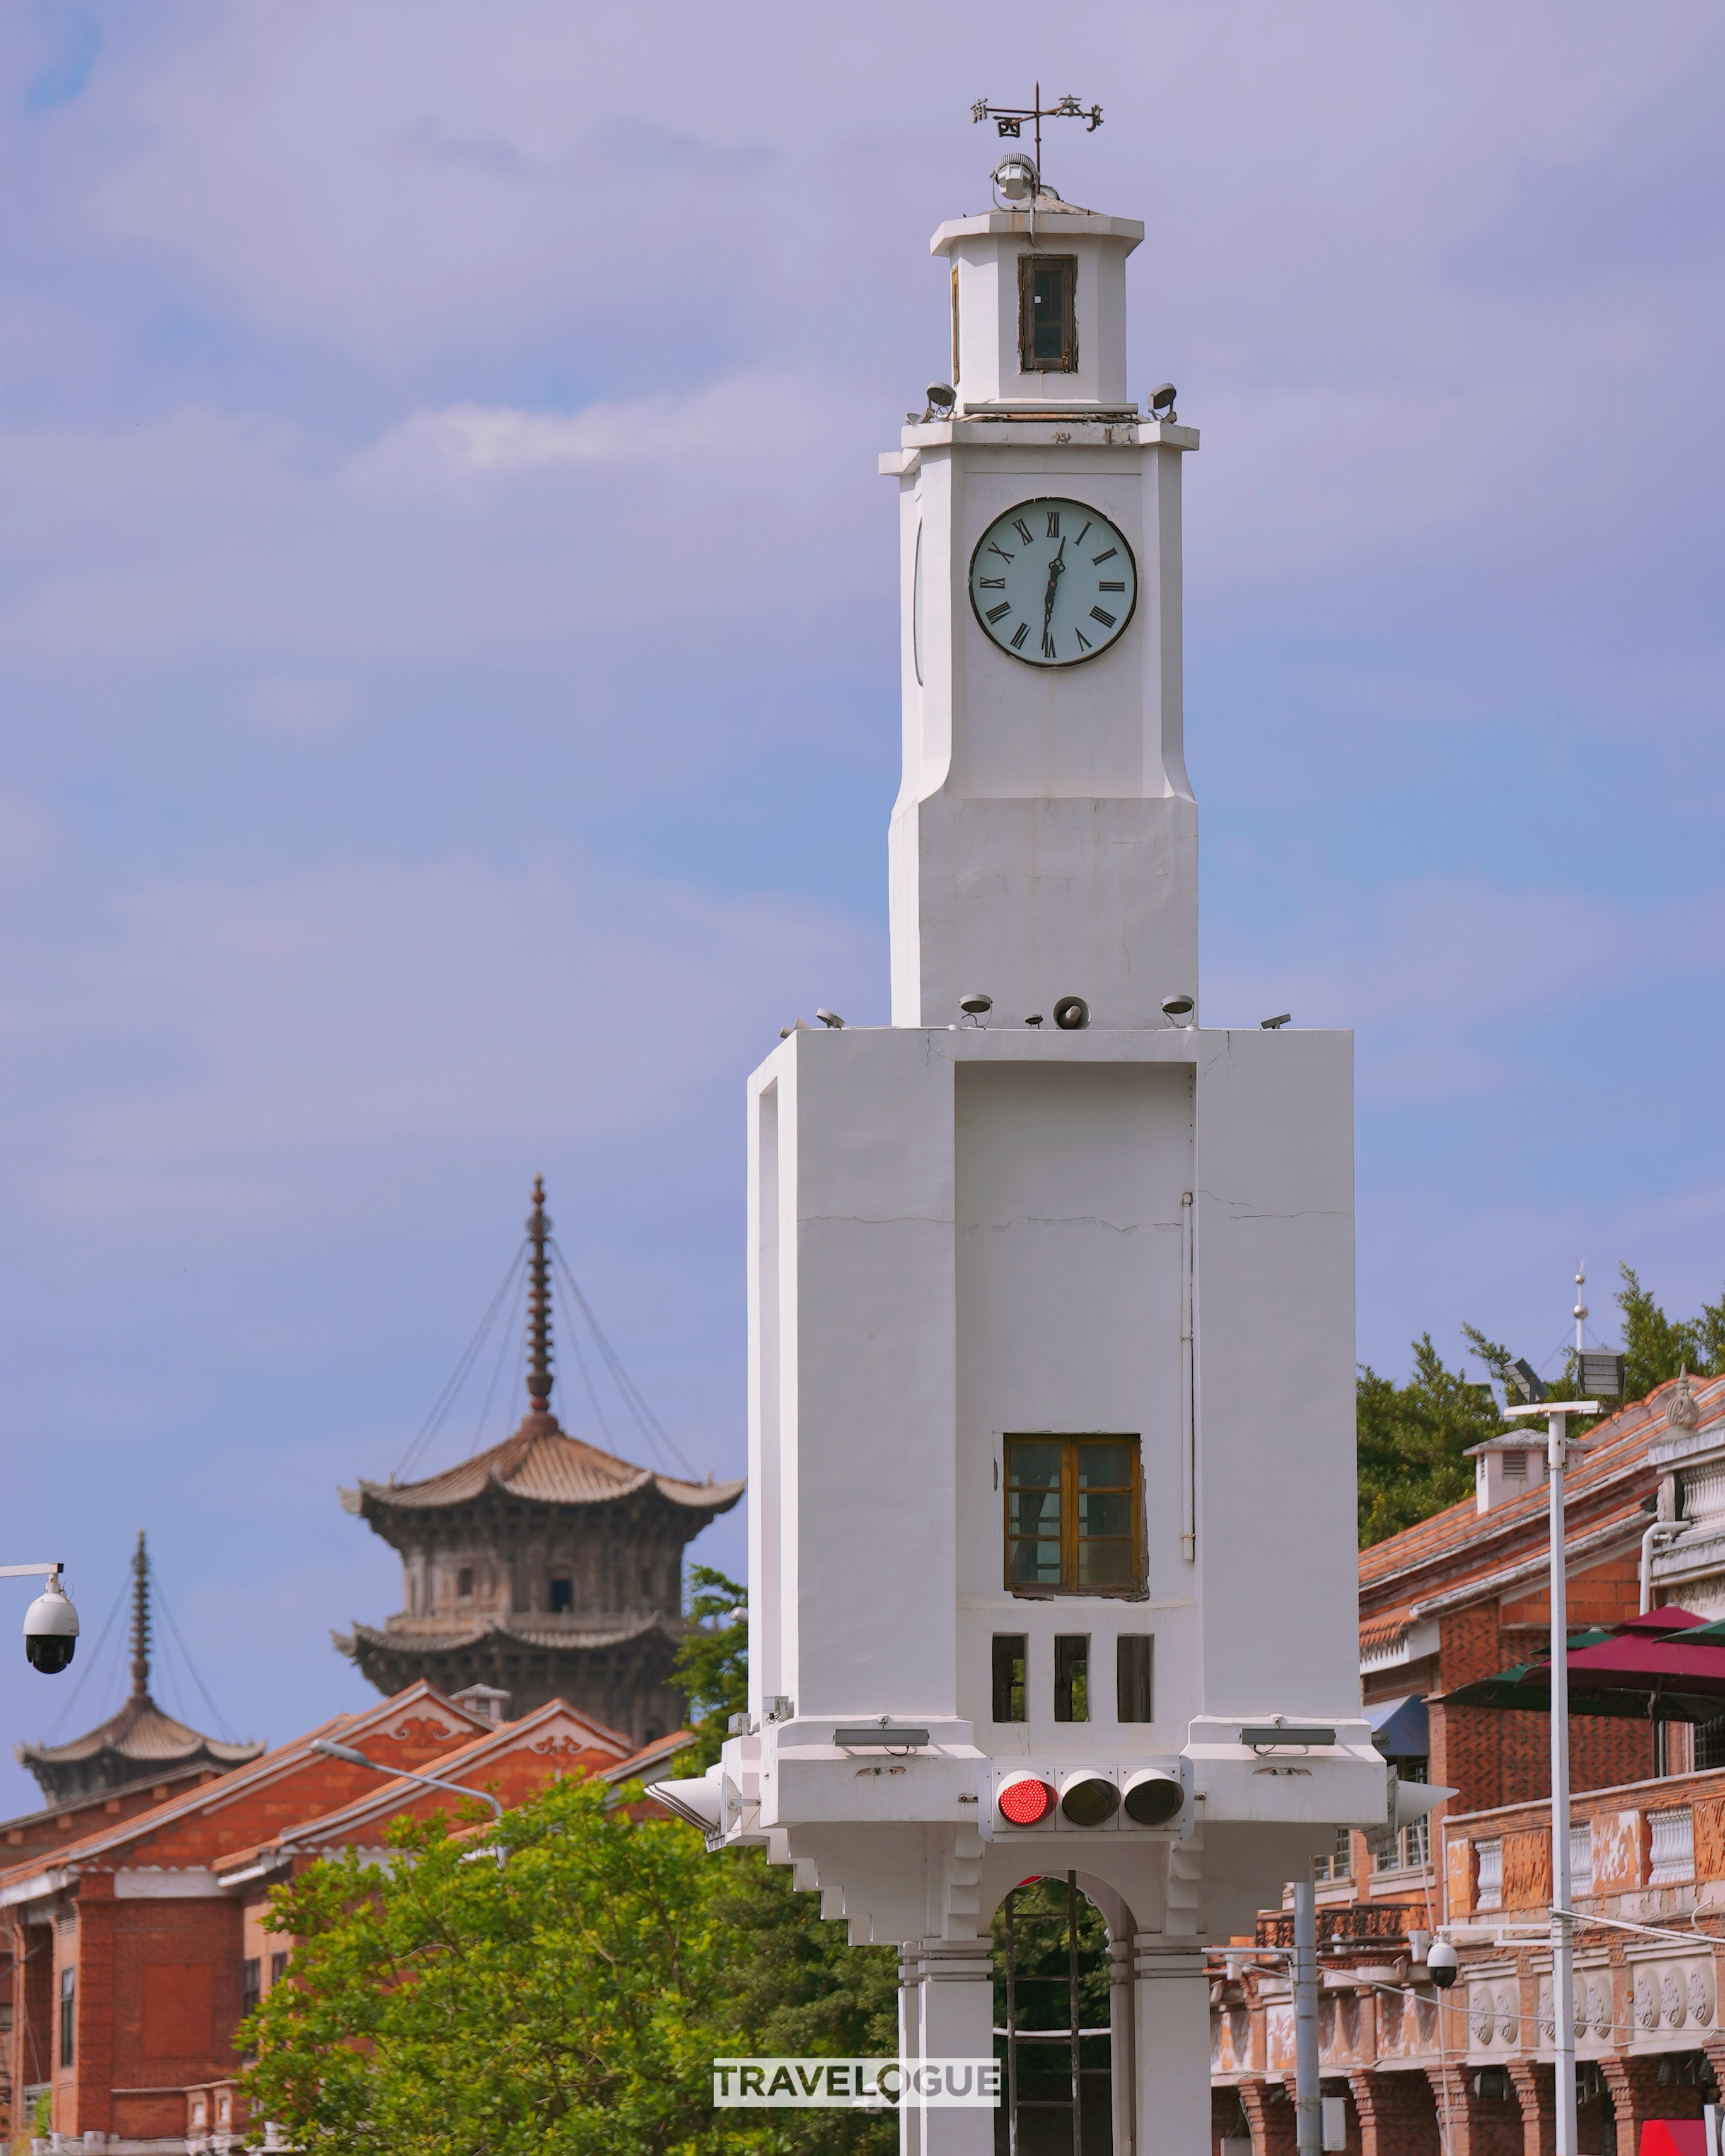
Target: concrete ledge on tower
x: 1277, y: 1769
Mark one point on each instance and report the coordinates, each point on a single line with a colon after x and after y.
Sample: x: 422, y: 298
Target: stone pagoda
x: 140, y: 1743
x: 542, y: 1567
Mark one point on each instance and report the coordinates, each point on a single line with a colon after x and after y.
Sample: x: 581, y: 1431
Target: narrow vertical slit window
x: 278, y: 1969
x: 955, y: 326
x: 1048, y: 319
x: 1134, y: 1671
x: 69, y: 2015
x: 464, y: 1582
x: 1072, y: 1676
x: 251, y: 1983
x: 562, y: 1595
x: 1009, y: 1702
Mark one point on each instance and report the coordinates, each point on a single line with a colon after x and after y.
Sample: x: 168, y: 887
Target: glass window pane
x: 1034, y: 1465
x: 1033, y: 1512
x: 1034, y: 1564
x: 1105, y: 1514
x: 1049, y: 343
x: 1105, y: 1465
x: 1104, y: 1565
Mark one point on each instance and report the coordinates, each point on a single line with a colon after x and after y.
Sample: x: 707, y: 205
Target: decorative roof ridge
x: 229, y: 1789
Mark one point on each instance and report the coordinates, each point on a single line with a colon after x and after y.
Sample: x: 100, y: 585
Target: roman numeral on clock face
x: 1018, y: 635
x: 1001, y: 551
x: 1023, y: 529
x: 1054, y: 524
x: 1047, y: 644
x: 991, y: 583
x: 1084, y: 642
x: 1106, y: 619
x: 1004, y: 608
x: 1108, y: 555
x: 1104, y: 585
x: 1079, y: 541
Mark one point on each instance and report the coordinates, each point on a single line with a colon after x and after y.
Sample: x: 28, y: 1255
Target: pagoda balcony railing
x: 1356, y: 1924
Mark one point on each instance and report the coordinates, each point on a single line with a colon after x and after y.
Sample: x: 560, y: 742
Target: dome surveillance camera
x: 51, y: 1629
x: 1442, y: 1963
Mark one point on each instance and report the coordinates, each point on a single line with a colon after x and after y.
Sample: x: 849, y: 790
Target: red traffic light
x: 1026, y: 1800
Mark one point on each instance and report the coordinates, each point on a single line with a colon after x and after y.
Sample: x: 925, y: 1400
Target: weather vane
x: 1009, y: 118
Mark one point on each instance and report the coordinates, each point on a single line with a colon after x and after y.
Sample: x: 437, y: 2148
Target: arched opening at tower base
x: 1065, y: 2056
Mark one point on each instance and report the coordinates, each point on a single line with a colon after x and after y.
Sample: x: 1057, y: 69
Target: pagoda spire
x: 539, y: 1376
x: 140, y: 1621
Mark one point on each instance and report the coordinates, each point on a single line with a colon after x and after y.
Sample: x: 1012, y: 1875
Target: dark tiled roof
x: 543, y: 1464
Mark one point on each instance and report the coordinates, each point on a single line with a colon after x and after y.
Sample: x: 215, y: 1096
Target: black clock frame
x: 1051, y: 665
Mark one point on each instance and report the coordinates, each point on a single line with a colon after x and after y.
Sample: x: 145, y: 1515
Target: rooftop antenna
x: 1580, y: 1307
x: 1009, y: 118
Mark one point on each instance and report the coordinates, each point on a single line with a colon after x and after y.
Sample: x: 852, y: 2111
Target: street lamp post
x: 346, y: 1752
x: 1559, y: 1444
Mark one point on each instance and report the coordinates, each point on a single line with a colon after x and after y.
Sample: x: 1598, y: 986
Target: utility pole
x: 1308, y: 2108
x: 1558, y: 1446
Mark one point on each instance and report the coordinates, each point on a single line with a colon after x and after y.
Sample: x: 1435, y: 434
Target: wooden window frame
x: 1133, y: 1590
x: 1029, y: 265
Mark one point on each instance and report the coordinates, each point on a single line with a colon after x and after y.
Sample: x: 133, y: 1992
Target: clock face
x: 1053, y: 582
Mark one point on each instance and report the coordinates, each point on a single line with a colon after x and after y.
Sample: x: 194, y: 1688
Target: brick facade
x: 151, y: 1920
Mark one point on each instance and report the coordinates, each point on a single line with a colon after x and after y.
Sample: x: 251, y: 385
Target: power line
x: 95, y: 1657
x: 186, y: 1652
x: 446, y: 1398
x: 497, y: 1369
x: 574, y: 1341
x: 649, y: 1423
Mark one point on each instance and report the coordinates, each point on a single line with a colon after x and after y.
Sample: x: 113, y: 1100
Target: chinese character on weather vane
x: 1009, y: 118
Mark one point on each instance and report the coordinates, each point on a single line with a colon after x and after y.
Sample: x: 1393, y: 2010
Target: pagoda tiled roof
x: 543, y: 1464
x: 140, y: 1731
x: 571, y: 1636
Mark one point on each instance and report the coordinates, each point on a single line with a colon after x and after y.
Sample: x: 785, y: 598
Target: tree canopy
x: 1412, y: 1438
x: 568, y: 2001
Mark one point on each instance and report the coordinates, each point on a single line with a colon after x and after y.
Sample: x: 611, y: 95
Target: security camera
x: 51, y: 1629
x: 1442, y: 1963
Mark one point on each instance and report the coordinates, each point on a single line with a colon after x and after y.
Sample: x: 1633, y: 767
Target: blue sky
x: 448, y: 679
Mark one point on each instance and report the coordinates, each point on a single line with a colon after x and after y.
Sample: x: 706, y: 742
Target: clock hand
x: 1056, y: 570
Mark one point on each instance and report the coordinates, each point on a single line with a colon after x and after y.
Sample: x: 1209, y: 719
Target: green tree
x: 712, y: 1664
x: 1412, y: 1440
x: 797, y: 1987
x: 569, y: 1998
x: 1656, y: 1347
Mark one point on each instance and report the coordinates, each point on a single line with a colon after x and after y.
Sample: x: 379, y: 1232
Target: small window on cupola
x: 562, y: 1595
x: 1048, y: 315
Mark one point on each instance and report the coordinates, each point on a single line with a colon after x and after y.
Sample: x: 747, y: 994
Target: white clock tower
x: 1051, y: 1490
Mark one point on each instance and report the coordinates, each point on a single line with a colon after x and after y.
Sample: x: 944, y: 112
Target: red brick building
x: 135, y: 1936
x: 1456, y: 1598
